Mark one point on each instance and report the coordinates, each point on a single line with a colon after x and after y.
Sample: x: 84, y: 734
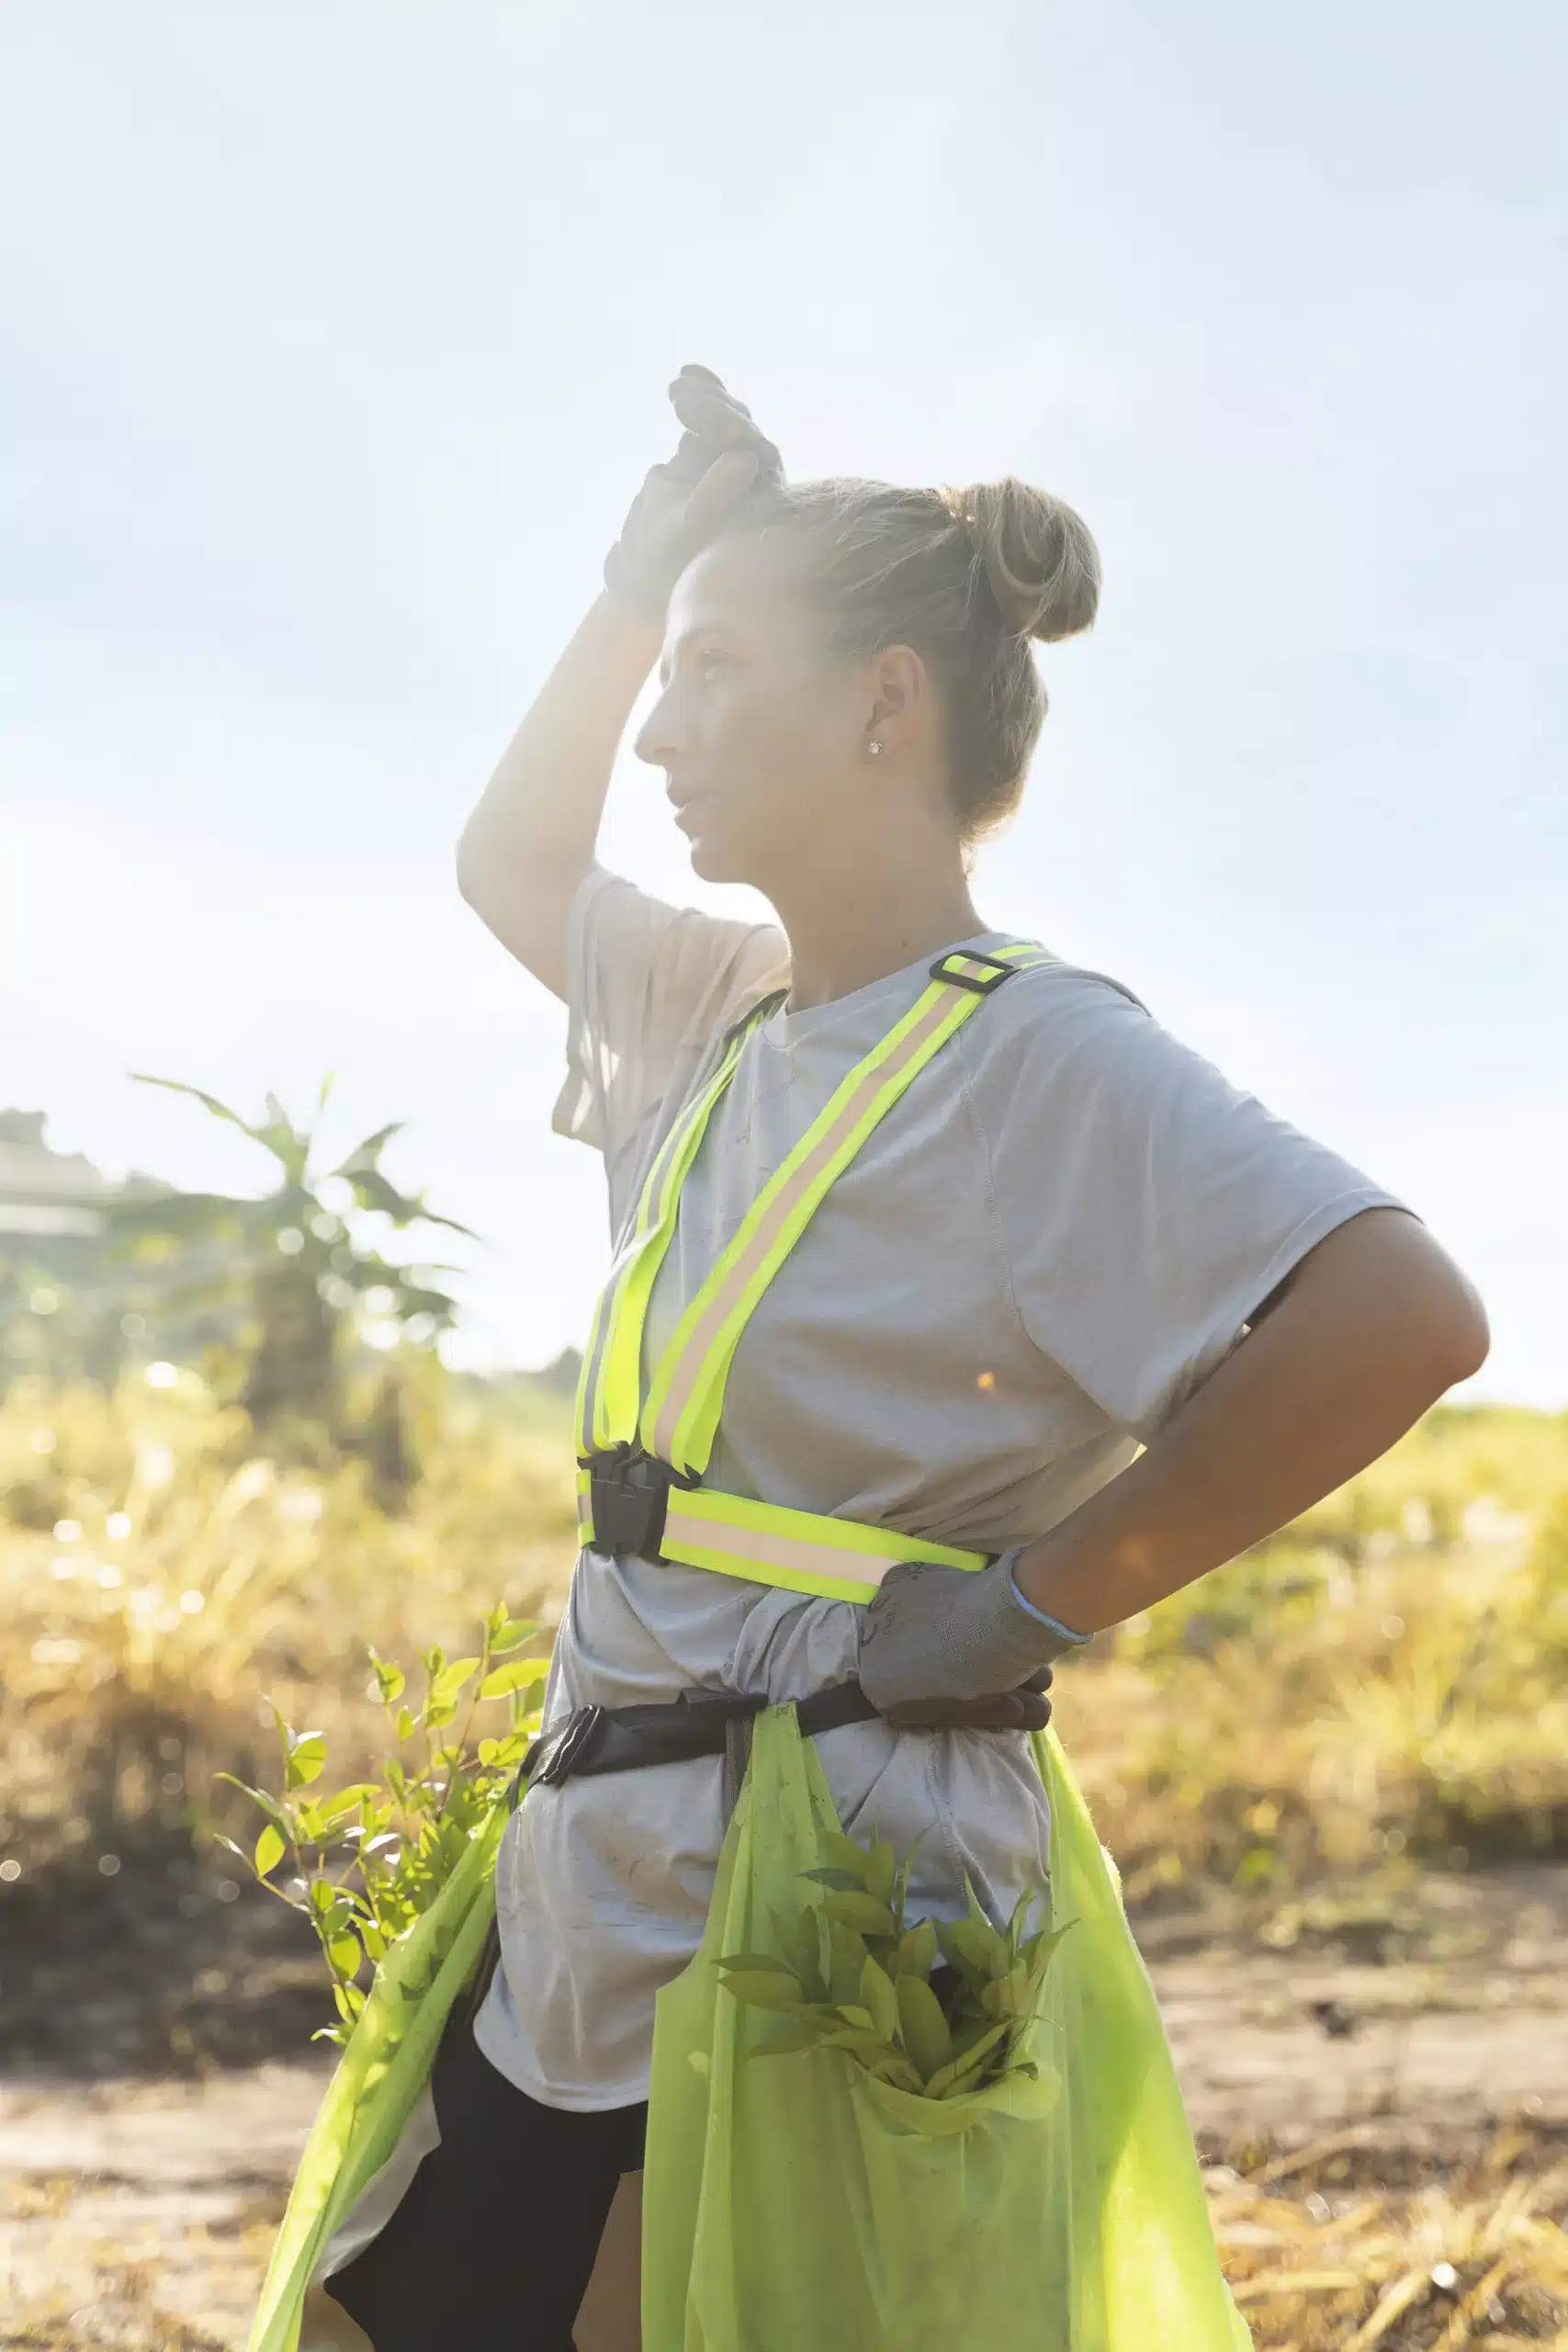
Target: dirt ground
x: 154, y: 2089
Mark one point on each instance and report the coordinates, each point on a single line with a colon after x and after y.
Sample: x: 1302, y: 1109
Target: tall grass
x: 1386, y: 1677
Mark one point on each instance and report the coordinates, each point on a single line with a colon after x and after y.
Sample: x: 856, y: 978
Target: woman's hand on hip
x: 935, y: 1633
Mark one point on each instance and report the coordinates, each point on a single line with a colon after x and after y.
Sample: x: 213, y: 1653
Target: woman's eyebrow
x: 689, y: 636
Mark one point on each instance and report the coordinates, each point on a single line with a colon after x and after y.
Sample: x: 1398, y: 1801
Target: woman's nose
x: 656, y: 741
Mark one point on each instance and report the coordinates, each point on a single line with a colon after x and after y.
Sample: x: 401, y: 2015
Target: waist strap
x: 620, y: 1739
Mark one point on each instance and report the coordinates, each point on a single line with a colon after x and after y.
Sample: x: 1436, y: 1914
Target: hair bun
x: 1039, y: 555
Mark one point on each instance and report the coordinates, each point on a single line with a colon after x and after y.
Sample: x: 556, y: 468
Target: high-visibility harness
x: 641, y: 1458
x: 1129, y: 2178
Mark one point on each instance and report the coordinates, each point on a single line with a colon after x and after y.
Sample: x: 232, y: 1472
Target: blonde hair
x: 967, y: 577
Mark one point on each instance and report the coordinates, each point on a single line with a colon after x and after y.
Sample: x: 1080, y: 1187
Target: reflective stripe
x: 842, y: 1559
x: 698, y: 1359
x: 607, y: 1391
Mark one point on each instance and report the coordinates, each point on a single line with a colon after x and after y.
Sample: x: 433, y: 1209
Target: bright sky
x: 335, y: 340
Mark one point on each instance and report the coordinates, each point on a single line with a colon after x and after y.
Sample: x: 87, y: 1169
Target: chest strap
x: 631, y: 1504
x: 642, y: 1457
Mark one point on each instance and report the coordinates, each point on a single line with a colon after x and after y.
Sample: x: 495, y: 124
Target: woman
x: 1069, y: 1238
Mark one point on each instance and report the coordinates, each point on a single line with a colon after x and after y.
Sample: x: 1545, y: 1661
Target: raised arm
x: 530, y: 840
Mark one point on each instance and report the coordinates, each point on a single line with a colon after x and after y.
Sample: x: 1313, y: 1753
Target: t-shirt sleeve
x: 649, y: 986
x: 1148, y: 1206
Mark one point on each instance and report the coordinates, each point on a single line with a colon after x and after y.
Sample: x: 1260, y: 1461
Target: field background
x: 1335, y: 1777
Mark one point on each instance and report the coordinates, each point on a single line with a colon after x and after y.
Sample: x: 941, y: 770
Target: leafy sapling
x: 368, y: 1858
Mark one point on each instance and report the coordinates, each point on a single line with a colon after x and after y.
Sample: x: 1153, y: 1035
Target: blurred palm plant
x: 296, y: 1264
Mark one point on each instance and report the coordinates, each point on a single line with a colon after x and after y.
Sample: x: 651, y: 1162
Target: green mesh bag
x: 790, y: 2201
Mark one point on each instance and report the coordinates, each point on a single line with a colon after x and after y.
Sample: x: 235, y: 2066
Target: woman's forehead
x: 746, y: 583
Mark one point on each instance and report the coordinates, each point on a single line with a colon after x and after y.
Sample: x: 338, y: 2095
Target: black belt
x: 617, y: 1739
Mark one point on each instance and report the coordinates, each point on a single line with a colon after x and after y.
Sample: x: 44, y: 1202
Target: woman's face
x: 761, y: 739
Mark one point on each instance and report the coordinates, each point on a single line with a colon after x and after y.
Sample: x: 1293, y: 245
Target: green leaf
x: 1037, y: 1953
x: 849, y: 1854
x: 437, y: 1712
x: 307, y: 1755
x: 1007, y: 1996
x: 788, y: 2040
x: 868, y: 2047
x: 208, y: 1101
x: 986, y: 1952
x: 801, y: 1940
x: 764, y: 1990
x: 844, y: 1881
x: 925, y: 2030
x: 916, y: 1953
x: 1020, y: 1911
x: 350, y: 2001
x: 346, y: 1800
x: 846, y: 1957
x: 880, y: 1871
x: 746, y: 1959
x: 269, y: 1850
x: 509, y: 1632
x: 965, y: 2073
x: 404, y: 1724
x: 947, y: 1943
x: 390, y: 1678
x: 970, y: 2063
x: 366, y: 1154
x: 507, y: 1751
x: 344, y: 1953
x: 864, y: 1913
x: 451, y: 1679
x: 855, y: 2015
x: 518, y: 1676
x: 879, y: 1998
x: 269, y: 1805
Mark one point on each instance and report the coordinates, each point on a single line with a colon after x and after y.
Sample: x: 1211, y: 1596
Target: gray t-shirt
x: 1047, y: 1245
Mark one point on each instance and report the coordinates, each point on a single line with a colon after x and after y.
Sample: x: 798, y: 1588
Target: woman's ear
x: 900, y: 697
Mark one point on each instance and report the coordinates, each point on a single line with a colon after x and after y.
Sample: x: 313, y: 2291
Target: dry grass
x: 1324, y: 2255
x: 160, y: 1581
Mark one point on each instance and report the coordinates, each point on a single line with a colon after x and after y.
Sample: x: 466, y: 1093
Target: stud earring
x: 874, y: 747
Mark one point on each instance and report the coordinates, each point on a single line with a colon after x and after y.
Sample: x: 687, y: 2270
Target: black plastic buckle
x: 628, y: 1493
x: 562, y: 1750
x: 979, y: 984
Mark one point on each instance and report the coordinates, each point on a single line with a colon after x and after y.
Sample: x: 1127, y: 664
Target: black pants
x: 493, y: 2243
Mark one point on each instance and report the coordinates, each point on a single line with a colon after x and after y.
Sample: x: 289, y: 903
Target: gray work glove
x: 935, y: 1634
x: 720, y: 459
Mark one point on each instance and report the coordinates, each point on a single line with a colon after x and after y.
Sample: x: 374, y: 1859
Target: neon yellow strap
x: 608, y: 1384
x: 681, y: 1414
x: 840, y: 1559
